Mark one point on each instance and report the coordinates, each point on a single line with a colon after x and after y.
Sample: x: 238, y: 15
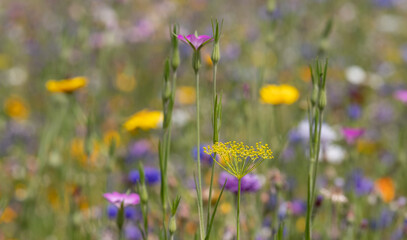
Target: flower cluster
x: 239, y: 159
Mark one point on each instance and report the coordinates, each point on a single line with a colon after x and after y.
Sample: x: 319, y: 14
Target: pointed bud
x: 143, y: 194
x: 175, y: 58
x: 215, y: 57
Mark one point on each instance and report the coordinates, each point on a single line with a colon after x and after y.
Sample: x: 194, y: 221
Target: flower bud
x: 143, y: 194
x: 167, y: 91
x: 175, y: 60
x: 322, y: 99
x: 173, y: 225
x: 215, y: 53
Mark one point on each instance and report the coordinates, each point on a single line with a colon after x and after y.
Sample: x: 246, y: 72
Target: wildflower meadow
x: 203, y: 120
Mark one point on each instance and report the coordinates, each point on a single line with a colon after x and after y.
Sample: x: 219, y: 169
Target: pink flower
x: 401, y: 95
x: 195, y: 41
x: 351, y: 134
x: 119, y: 198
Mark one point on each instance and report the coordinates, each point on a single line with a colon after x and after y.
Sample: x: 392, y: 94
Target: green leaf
x: 208, y: 232
x: 280, y: 233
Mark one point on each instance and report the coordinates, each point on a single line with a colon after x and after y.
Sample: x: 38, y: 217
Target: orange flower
x: 8, y: 215
x: 385, y: 187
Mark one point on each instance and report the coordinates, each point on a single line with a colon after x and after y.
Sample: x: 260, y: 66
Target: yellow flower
x: 283, y: 94
x: 125, y: 83
x: 186, y: 95
x: 8, y: 215
x: 385, y: 186
x: 225, y: 208
x: 66, y: 85
x: 78, y: 152
x: 111, y: 136
x: 300, y: 224
x: 239, y: 159
x: 145, y: 120
x: 16, y: 108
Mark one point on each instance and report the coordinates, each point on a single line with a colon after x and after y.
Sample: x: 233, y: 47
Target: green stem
x: 145, y: 217
x: 215, y: 66
x: 198, y: 162
x: 238, y: 211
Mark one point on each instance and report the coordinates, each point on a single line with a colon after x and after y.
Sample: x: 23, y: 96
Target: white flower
x: 334, y: 154
x: 180, y: 117
x: 355, y: 75
x: 328, y: 134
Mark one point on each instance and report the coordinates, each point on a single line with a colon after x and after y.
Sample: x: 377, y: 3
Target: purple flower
x: 138, y: 150
x: 195, y: 41
x: 384, y: 3
x: 152, y: 175
x: 118, y: 198
x: 360, y: 184
x: 132, y: 233
x: 129, y: 212
x: 249, y: 183
x: 401, y: 95
x: 352, y: 134
x: 298, y: 207
x: 354, y: 111
x: 205, y: 158
x: 111, y: 211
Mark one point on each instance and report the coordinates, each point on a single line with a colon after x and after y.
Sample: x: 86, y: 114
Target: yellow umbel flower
x: 145, y: 120
x: 239, y: 159
x: 283, y: 94
x: 66, y: 85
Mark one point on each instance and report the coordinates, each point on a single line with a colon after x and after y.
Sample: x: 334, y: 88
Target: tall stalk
x: 198, y: 162
x: 315, y: 116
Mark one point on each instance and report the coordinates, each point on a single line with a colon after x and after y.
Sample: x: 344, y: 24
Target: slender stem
x: 238, y: 211
x: 145, y: 216
x: 198, y: 162
x: 215, y: 68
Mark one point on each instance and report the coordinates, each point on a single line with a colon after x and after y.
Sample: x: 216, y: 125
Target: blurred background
x: 55, y: 165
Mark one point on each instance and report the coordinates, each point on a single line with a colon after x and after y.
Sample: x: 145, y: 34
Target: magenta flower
x: 401, y: 95
x: 352, y: 134
x: 118, y: 198
x: 195, y: 41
